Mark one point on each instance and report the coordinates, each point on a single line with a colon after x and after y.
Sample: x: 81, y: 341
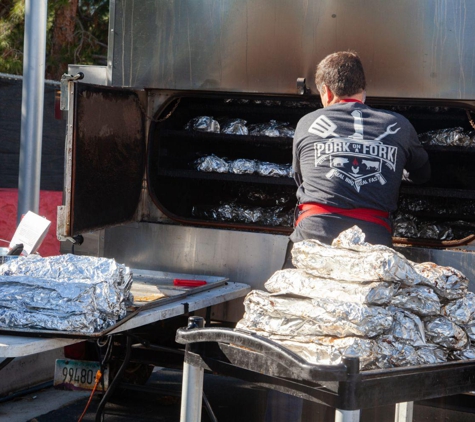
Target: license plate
x: 78, y: 375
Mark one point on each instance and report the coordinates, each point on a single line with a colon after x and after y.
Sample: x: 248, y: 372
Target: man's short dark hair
x: 342, y: 72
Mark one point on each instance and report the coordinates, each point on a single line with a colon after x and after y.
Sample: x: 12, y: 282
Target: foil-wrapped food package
x: 236, y: 213
x: 422, y: 300
x: 382, y: 352
x: 435, y: 231
x: 203, y: 124
x: 470, y: 330
x: 327, y: 350
x: 65, y: 292
x: 447, y: 137
x: 234, y: 126
x: 212, y: 164
x: 368, y: 263
x: 306, y: 317
x: 272, y: 129
x: 390, y: 353
x: 461, y: 311
x: 464, y: 354
x: 351, y: 239
x: 243, y: 166
x: 440, y: 330
x: 405, y: 227
x: 298, y: 282
x: 273, y: 170
x: 448, y: 282
x: 407, y: 327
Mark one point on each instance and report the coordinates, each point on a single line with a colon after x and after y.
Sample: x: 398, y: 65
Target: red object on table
x: 188, y: 283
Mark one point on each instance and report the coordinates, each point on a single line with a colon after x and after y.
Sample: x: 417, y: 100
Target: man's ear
x: 327, y: 95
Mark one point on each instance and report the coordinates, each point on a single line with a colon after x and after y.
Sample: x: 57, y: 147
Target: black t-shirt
x: 349, y: 155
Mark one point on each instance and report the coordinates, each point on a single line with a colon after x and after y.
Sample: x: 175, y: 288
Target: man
x: 349, y: 159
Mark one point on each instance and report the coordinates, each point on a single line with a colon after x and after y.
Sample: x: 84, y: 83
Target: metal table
x: 180, y: 303
x: 14, y: 345
x: 256, y: 359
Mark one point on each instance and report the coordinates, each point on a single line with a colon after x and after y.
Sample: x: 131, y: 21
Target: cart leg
x: 192, y: 385
x: 347, y: 415
x: 191, y: 393
x: 404, y: 412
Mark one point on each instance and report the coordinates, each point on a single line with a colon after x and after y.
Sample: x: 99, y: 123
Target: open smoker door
x: 105, y: 159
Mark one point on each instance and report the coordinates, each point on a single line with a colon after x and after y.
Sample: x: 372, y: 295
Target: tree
x: 77, y: 33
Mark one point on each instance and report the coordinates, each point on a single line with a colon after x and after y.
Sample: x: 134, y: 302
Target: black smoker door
x: 105, y: 159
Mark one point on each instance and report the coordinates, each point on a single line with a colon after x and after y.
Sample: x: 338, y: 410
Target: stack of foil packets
x: 354, y: 298
x: 63, y: 293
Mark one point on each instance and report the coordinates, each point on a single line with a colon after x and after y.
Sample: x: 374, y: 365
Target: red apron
x: 365, y: 214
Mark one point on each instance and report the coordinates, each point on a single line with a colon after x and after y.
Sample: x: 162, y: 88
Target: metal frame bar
x: 342, y: 387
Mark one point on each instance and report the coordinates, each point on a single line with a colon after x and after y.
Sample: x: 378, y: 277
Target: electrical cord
x: 96, y: 383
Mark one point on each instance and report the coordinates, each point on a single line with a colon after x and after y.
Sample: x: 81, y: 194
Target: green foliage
x: 12, y: 15
x: 90, y: 36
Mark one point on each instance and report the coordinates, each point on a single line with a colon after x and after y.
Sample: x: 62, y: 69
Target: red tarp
x: 49, y: 201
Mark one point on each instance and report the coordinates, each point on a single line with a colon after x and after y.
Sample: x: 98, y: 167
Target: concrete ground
x: 230, y: 399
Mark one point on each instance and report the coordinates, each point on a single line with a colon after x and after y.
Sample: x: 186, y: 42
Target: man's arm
x: 418, y: 176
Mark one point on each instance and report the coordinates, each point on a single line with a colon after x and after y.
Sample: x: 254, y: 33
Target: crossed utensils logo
x: 354, y: 159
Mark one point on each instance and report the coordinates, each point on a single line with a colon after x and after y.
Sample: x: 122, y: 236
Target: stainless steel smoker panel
x: 410, y: 48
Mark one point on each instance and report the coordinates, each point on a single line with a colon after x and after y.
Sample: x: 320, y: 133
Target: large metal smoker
x: 129, y: 188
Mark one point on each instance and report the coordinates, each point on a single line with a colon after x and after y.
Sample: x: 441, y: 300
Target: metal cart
x: 343, y: 387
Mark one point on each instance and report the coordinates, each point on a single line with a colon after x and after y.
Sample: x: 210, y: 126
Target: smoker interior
x: 184, y: 194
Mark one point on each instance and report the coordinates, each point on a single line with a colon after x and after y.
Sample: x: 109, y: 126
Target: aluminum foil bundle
x: 326, y: 350
x: 461, y: 311
x: 274, y: 170
x: 41, y: 303
x: 277, y: 216
x: 422, y: 300
x: 203, y: 124
x: 412, y: 227
x: 430, y: 230
x: 367, y: 263
x: 236, y: 213
x: 447, y: 282
x: 407, y: 328
x: 272, y: 129
x: 442, y: 331
x: 285, y: 315
x: 377, y: 353
x: 447, y: 137
x: 111, y: 281
x: 234, y: 127
x: 431, y: 354
x: 250, y: 214
x: 352, y: 238
x: 211, y: 164
x: 391, y: 353
x: 405, y: 228
x: 464, y: 354
x: 298, y: 282
x: 243, y: 166
x: 470, y: 330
